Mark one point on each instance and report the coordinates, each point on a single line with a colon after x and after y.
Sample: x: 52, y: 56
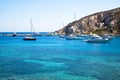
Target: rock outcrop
x: 101, y: 23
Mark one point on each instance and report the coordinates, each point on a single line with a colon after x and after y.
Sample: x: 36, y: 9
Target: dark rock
x: 68, y: 30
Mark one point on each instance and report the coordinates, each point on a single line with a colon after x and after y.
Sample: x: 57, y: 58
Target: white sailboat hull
x: 29, y: 38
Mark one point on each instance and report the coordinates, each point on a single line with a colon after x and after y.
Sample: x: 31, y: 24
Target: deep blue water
x: 51, y: 58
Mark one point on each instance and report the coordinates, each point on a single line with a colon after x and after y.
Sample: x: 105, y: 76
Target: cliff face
x: 101, y: 23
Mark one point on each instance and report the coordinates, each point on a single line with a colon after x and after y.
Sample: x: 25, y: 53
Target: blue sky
x: 47, y: 15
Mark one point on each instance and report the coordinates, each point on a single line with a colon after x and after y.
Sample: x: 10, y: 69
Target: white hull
x: 97, y: 41
x: 73, y: 38
x: 29, y: 38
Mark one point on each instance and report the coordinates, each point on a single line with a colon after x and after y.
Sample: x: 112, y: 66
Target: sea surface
x: 54, y: 58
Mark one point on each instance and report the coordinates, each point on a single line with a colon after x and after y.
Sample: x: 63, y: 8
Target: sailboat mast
x: 32, y: 27
x: 14, y: 32
x: 31, y: 24
x: 63, y: 24
x: 74, y: 17
x: 14, y: 29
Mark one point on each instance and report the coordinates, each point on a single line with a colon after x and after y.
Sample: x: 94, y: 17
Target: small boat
x: 109, y: 37
x: 29, y: 38
x: 73, y: 37
x: 14, y: 34
x: 37, y: 34
x: 99, y: 39
x: 62, y: 36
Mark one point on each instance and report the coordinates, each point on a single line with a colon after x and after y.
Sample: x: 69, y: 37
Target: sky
x: 47, y: 15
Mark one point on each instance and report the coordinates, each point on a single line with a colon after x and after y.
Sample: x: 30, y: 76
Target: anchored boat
x: 30, y: 37
x: 97, y: 39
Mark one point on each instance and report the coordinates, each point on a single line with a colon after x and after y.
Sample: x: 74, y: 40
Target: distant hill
x: 105, y: 22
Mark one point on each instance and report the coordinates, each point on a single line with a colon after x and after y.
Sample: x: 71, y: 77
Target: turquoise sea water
x: 51, y: 58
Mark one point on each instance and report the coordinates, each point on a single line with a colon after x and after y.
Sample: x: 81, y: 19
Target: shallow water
x: 50, y: 58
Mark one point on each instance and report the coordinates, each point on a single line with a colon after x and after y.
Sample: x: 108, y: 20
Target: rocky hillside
x: 105, y: 22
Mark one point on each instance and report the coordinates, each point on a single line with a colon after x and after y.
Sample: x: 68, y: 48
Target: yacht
x: 14, y: 34
x: 73, y: 37
x: 62, y: 36
x: 30, y: 37
x: 97, y: 39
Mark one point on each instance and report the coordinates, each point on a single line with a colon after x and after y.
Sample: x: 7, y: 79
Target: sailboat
x: 73, y: 36
x: 30, y: 37
x: 14, y: 33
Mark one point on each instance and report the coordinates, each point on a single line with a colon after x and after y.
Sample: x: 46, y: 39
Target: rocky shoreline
x: 106, y: 22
